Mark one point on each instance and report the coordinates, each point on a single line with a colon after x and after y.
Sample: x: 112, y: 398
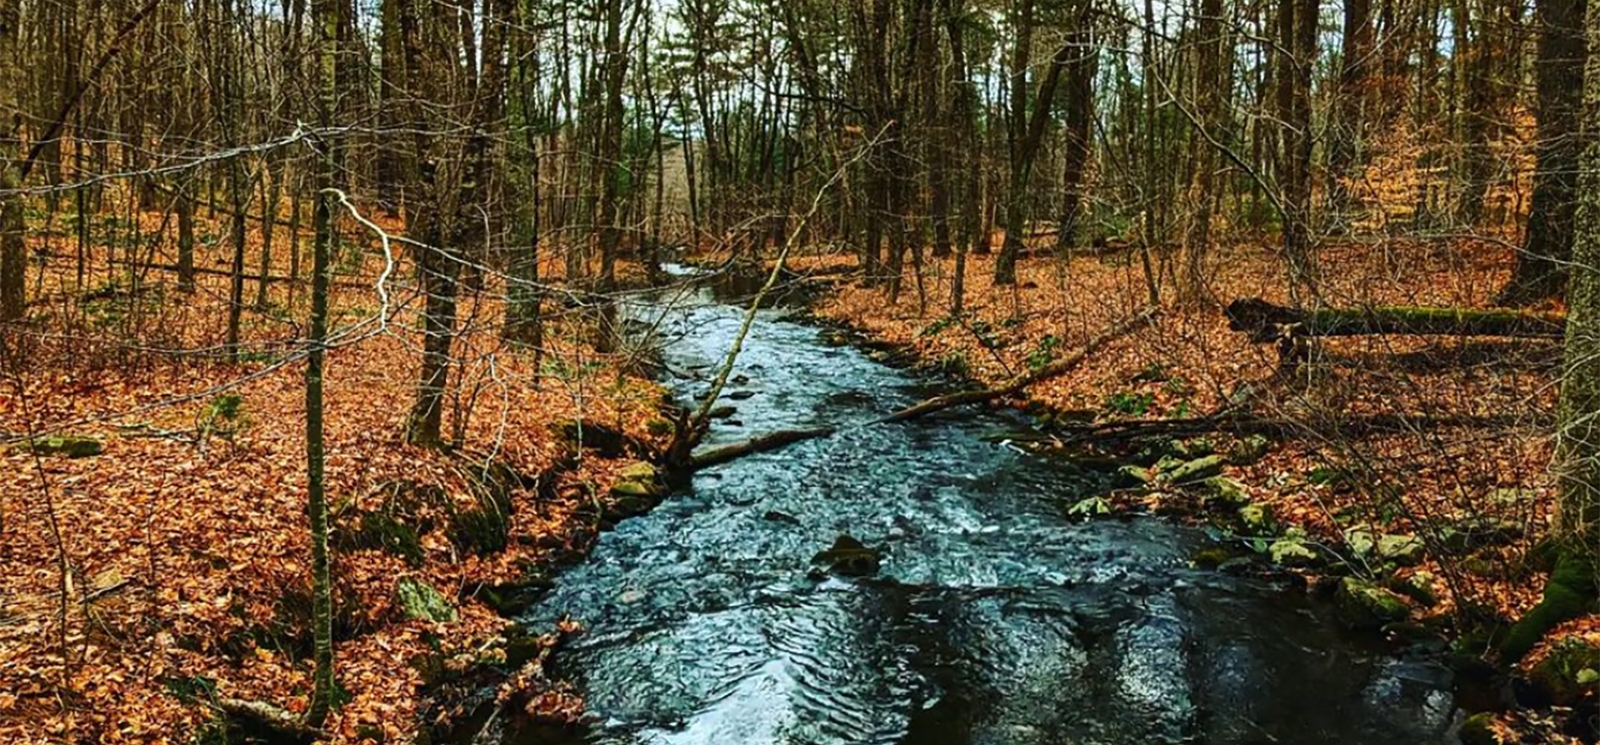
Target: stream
x: 996, y: 617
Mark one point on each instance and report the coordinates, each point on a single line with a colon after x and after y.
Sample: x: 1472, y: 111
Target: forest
x: 833, y: 371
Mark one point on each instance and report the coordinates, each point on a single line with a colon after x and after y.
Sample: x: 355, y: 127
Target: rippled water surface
x: 995, y: 618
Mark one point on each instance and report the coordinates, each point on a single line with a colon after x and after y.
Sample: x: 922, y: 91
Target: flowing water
x: 996, y: 617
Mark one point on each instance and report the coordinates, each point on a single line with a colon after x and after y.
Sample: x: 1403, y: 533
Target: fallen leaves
x: 210, y: 544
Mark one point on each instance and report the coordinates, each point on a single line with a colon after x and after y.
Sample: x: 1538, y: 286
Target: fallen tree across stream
x: 1018, y: 383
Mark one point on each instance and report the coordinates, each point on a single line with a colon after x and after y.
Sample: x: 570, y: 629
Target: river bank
x: 718, y: 618
x: 155, y: 543
x: 1439, y: 525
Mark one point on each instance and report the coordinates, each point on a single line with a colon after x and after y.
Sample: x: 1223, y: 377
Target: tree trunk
x: 964, y: 134
x: 13, y: 252
x: 1570, y: 590
x: 1078, y: 132
x: 1541, y: 264
x: 1297, y: 28
x: 1027, y: 129
x: 323, y: 682
x: 1350, y: 109
x: 1210, y: 81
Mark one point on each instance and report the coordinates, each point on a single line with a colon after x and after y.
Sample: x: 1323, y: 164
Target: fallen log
x: 769, y: 441
x: 272, y: 718
x: 1245, y: 423
x: 782, y: 438
x: 1266, y: 321
x: 1020, y: 382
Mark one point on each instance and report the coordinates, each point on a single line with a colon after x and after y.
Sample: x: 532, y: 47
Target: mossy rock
x: 484, y: 528
x: 1226, y: 491
x: 419, y: 601
x: 658, y: 427
x: 1132, y: 477
x: 1404, y: 550
x: 1569, y: 593
x: 849, y: 557
x: 1198, y: 447
x: 1293, y: 551
x: 1568, y: 674
x: 639, y: 480
x: 70, y: 446
x: 624, y: 506
x: 1192, y: 471
x: 1480, y: 531
x: 384, y: 532
x: 1478, y: 729
x: 1166, y: 463
x: 396, y: 526
x: 637, y: 489
x: 1418, y: 586
x: 1154, y: 451
x: 1257, y: 518
x: 1212, y: 557
x: 1249, y: 450
x: 514, y: 598
x: 1364, y: 605
x: 1400, y: 549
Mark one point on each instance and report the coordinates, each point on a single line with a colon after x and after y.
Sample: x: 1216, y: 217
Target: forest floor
x: 1455, y: 453
x: 182, y: 547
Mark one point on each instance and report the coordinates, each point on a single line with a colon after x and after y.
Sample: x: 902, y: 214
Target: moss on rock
x: 419, y: 601
x: 1568, y: 673
x: 1569, y: 593
x: 1364, y: 605
x: 1478, y: 729
x: 1225, y: 491
x: 1249, y: 450
x: 1192, y: 471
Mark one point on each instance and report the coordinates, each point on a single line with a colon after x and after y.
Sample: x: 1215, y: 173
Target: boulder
x: 639, y: 480
x: 1478, y: 729
x: 1364, y: 605
x: 1478, y: 531
x: 1131, y: 477
x: 1404, y: 550
x: 624, y: 506
x: 722, y: 412
x: 1249, y: 450
x: 849, y: 557
x: 1188, y: 472
x: 1166, y: 463
x: 420, y: 602
x: 1257, y: 518
x: 71, y: 446
x: 639, y: 471
x: 1226, y: 491
x: 1198, y: 447
x: 1568, y: 673
x: 1293, y: 551
x: 1418, y: 586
